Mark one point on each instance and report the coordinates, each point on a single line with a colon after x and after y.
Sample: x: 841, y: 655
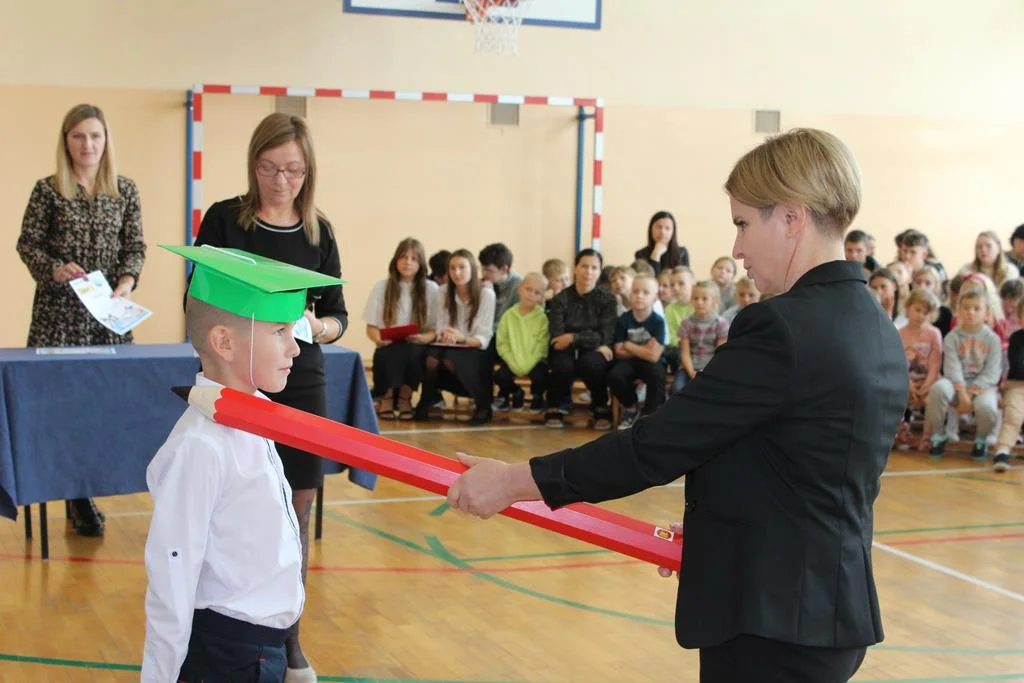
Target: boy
x: 1013, y: 399
x: 858, y: 249
x: 223, y: 556
x: 746, y: 294
x: 523, y: 348
x: 682, y: 281
x: 1011, y: 294
x: 971, y: 367
x: 638, y: 348
x: 557, y: 274
x: 496, y: 269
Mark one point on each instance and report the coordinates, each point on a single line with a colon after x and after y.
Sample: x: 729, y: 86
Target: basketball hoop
x: 497, y: 24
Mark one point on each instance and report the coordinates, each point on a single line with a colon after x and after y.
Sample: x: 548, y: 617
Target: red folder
x: 399, y: 333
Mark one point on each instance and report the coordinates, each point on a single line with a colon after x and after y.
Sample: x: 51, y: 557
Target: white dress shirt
x: 223, y: 536
x: 483, y: 325
x: 374, y: 313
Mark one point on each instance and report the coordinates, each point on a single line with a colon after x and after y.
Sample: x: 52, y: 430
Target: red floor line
x: 359, y: 570
x: 955, y: 539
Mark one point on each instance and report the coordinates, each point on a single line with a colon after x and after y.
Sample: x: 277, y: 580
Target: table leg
x: 28, y: 522
x: 319, y: 523
x: 45, y: 540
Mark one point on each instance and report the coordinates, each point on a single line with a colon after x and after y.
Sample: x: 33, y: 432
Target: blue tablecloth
x: 84, y: 425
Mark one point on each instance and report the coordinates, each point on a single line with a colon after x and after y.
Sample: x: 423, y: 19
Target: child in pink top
x: 922, y: 343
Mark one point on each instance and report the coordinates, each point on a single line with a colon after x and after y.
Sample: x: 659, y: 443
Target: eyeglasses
x: 268, y: 170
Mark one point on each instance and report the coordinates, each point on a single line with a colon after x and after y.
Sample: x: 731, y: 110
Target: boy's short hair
x: 922, y: 297
x: 606, y: 275
x: 1018, y: 234
x: 1012, y: 289
x: 438, y: 263
x: 553, y: 267
x: 642, y: 267
x: 971, y: 294
x: 913, y: 238
x: 683, y: 270
x: 746, y: 282
x: 201, y: 317
x: 537, y: 279
x: 497, y: 255
x: 856, y: 237
x: 710, y: 286
x: 646, y: 278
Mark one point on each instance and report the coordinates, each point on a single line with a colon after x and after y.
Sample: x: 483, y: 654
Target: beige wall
x: 928, y: 95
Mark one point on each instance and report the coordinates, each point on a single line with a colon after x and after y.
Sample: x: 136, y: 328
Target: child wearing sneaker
x: 1013, y: 398
x: 676, y: 312
x: 971, y: 368
x: 700, y: 334
x: 638, y: 352
x: 746, y: 294
x: 523, y: 347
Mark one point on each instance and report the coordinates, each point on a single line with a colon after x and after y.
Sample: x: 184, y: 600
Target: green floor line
x: 965, y: 527
x: 47, y: 661
x: 439, y: 510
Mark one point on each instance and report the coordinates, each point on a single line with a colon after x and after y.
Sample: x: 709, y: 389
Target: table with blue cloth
x: 79, y: 423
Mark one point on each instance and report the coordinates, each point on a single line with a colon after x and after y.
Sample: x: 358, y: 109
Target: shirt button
x: 690, y: 506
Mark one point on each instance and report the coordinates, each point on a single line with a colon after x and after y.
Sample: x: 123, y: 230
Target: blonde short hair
x: 804, y: 166
x: 553, y: 267
x: 922, y: 297
x: 646, y: 279
x: 711, y: 287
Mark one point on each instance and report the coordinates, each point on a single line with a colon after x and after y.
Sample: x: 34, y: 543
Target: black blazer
x: 783, y: 439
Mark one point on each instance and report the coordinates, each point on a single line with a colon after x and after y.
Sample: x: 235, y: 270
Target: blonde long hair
x: 64, y: 179
x: 1000, y: 272
x: 275, y: 130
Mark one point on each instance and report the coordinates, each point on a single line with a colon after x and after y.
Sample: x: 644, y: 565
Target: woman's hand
x: 421, y: 338
x: 562, y: 341
x: 124, y: 287
x: 68, y: 272
x: 606, y: 352
x: 676, y: 528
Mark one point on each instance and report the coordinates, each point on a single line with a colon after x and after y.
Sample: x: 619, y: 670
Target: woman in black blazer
x: 783, y: 439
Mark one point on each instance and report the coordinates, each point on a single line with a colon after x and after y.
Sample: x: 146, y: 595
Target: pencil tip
x: 182, y: 392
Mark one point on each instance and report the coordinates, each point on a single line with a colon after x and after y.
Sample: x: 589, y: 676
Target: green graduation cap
x: 248, y: 285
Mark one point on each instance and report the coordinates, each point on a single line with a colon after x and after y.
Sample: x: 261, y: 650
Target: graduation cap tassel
x: 425, y: 470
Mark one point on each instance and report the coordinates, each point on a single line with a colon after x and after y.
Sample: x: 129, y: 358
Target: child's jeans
x: 1013, y: 415
x: 941, y: 399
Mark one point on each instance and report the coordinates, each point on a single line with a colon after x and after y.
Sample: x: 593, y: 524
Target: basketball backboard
x: 581, y: 14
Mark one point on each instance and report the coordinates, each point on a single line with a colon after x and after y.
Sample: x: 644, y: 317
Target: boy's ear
x: 221, y: 342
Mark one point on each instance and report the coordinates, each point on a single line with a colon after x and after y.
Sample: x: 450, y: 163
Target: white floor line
x: 924, y: 473
x: 327, y: 503
x: 942, y: 569
x: 393, y: 433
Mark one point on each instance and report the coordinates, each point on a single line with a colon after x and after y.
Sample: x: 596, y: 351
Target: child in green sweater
x: 682, y: 281
x: 523, y: 347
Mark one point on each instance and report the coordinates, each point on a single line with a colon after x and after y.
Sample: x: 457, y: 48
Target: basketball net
x: 497, y: 24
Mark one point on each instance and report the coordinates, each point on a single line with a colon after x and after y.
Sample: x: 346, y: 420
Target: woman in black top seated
x: 663, y: 250
x: 278, y: 218
x: 581, y: 321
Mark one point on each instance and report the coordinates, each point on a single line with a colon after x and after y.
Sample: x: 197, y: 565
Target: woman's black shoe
x: 86, y: 519
x: 481, y: 416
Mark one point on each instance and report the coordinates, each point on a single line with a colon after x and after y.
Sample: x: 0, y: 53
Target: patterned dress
x: 100, y: 233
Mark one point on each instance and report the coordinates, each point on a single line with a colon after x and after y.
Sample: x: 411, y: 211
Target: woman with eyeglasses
x: 278, y: 218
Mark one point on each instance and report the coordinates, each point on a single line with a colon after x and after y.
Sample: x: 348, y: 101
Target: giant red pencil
x: 425, y: 470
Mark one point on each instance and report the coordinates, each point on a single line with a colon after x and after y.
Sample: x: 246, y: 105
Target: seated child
x: 922, y: 345
x: 971, y: 368
x: 857, y: 247
x: 621, y: 281
x: 1013, y: 399
x: 746, y: 294
x: 637, y: 345
x: 1011, y: 294
x: 927, y: 278
x: 223, y: 555
x: 557, y: 274
x: 723, y: 272
x: 700, y: 334
x: 676, y: 312
x: 523, y: 347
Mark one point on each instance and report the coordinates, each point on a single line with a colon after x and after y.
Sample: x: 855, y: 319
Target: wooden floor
x: 403, y: 590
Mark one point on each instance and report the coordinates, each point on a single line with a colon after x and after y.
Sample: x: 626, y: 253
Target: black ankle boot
x: 86, y: 519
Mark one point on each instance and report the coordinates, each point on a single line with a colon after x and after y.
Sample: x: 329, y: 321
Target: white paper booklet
x: 117, y: 314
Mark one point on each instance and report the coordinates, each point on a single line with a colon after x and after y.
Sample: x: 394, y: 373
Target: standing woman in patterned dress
x: 278, y: 218
x: 83, y: 218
